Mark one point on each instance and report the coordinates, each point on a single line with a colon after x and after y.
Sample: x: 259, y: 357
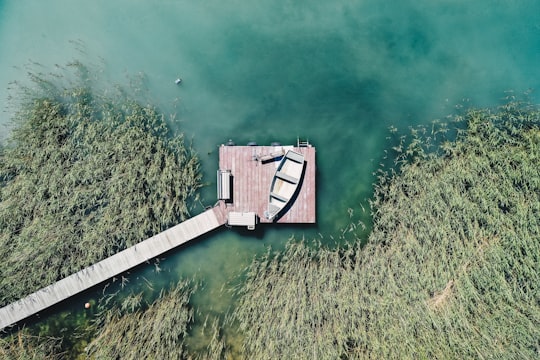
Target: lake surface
x: 338, y: 73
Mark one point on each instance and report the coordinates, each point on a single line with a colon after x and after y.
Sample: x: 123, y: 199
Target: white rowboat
x: 285, y: 183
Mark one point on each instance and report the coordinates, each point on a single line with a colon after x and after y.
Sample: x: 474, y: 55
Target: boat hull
x: 285, y: 184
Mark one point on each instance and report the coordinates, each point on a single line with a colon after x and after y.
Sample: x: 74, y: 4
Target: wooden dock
x: 252, y: 169
x: 112, y: 266
x: 248, y: 173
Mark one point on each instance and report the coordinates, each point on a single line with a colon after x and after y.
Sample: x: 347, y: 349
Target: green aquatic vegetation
x: 217, y: 347
x: 135, y: 330
x: 86, y: 173
x: 289, y: 306
x: 25, y: 346
x: 451, y: 268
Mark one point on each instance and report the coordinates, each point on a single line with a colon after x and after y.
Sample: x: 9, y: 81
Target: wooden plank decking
x: 252, y: 169
x: 112, y: 266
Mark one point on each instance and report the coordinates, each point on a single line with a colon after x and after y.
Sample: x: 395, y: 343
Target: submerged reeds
x: 25, y: 346
x: 451, y: 268
x: 139, y: 331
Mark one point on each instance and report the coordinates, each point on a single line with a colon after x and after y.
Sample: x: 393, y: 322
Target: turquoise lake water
x: 338, y: 73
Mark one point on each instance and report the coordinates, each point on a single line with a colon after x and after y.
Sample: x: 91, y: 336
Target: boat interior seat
x: 295, y: 157
x: 286, y: 177
x: 279, y: 197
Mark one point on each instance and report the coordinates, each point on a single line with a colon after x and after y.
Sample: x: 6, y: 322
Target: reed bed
x: 134, y: 330
x: 217, y: 347
x: 25, y: 346
x: 86, y: 173
x: 289, y: 306
x: 451, y: 268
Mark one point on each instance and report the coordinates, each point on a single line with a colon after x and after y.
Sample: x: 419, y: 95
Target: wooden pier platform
x: 112, y: 266
x: 252, y: 169
x: 248, y: 171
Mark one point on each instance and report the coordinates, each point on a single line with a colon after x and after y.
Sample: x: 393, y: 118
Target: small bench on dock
x: 224, y: 183
x: 248, y: 219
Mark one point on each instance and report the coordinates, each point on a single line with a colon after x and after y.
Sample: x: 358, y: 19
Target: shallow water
x: 337, y: 73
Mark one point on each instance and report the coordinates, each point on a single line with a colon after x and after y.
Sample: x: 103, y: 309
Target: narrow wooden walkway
x: 112, y: 266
